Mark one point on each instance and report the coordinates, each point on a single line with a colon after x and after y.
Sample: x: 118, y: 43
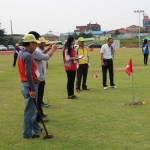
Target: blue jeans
x: 30, y: 112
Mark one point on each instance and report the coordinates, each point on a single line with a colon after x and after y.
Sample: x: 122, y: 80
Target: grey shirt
x: 25, y: 59
x: 39, y: 57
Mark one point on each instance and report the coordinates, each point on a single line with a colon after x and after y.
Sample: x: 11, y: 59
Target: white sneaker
x: 115, y: 87
x: 105, y: 88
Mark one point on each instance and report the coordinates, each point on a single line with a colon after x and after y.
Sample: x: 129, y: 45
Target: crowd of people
x: 32, y: 70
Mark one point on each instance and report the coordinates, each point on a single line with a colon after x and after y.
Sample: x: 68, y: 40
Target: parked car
x: 95, y: 45
x: 59, y: 46
x: 10, y: 47
x: 21, y: 47
x: 3, y: 48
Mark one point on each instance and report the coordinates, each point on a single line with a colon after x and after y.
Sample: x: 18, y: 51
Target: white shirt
x: 106, y: 51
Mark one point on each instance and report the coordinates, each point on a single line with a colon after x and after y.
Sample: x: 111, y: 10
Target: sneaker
x: 74, y: 96
x: 44, y: 105
x: 71, y: 97
x: 115, y: 87
x: 78, y: 90
x: 105, y: 88
x: 34, y: 136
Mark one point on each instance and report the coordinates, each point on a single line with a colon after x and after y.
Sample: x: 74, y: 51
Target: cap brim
x: 37, y: 41
x: 46, y: 41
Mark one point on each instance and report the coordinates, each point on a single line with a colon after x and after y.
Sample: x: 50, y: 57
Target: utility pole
x: 50, y: 32
x: 139, y: 11
x: 11, y: 27
x: 90, y: 25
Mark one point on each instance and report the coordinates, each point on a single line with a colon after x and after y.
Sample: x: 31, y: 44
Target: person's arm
x: 38, y: 55
x: 101, y: 56
x: 28, y: 71
x: 15, y: 51
x: 102, y: 62
x: 68, y: 58
x: 47, y: 49
x: 52, y: 50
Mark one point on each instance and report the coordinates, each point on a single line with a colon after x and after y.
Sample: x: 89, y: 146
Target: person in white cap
x: 39, y: 56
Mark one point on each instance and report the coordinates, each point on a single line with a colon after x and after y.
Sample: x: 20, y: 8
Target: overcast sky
x: 62, y: 16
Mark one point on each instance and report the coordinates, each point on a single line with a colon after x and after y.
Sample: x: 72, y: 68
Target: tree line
x: 4, y: 40
x: 81, y: 34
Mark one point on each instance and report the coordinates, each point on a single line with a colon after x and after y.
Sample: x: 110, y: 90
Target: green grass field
x: 97, y: 120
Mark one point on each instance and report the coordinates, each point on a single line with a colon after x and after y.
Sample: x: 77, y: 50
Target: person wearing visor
x: 83, y: 64
x: 16, y: 52
x: 29, y: 77
x: 41, y: 56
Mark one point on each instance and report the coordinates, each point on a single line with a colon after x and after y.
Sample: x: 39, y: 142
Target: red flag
x: 129, y: 67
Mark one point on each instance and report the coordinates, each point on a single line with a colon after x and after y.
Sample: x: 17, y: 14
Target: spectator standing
x: 16, y: 52
x: 70, y: 65
x: 39, y: 56
x: 145, y: 51
x: 29, y: 77
x: 83, y: 65
x: 107, y: 63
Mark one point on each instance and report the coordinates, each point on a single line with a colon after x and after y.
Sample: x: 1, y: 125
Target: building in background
x: 147, y: 29
x: 88, y: 27
x: 121, y: 31
x: 146, y: 21
x: 50, y: 37
x: 134, y: 28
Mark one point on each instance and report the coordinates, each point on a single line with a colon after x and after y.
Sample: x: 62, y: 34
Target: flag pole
x: 132, y: 87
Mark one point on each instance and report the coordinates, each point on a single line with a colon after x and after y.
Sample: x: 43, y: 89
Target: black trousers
x: 145, y: 59
x: 15, y: 58
x: 40, y: 99
x: 82, y: 72
x: 108, y: 66
x: 70, y: 83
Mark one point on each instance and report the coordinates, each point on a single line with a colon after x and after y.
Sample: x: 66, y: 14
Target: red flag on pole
x: 129, y: 67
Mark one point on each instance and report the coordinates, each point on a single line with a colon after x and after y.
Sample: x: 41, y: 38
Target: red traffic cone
x: 95, y: 76
x: 91, y: 49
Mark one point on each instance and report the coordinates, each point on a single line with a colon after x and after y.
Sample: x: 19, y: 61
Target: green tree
x: 2, y: 35
x: 75, y: 35
x: 117, y: 32
x: 12, y: 41
x: 89, y: 35
x: 82, y: 34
